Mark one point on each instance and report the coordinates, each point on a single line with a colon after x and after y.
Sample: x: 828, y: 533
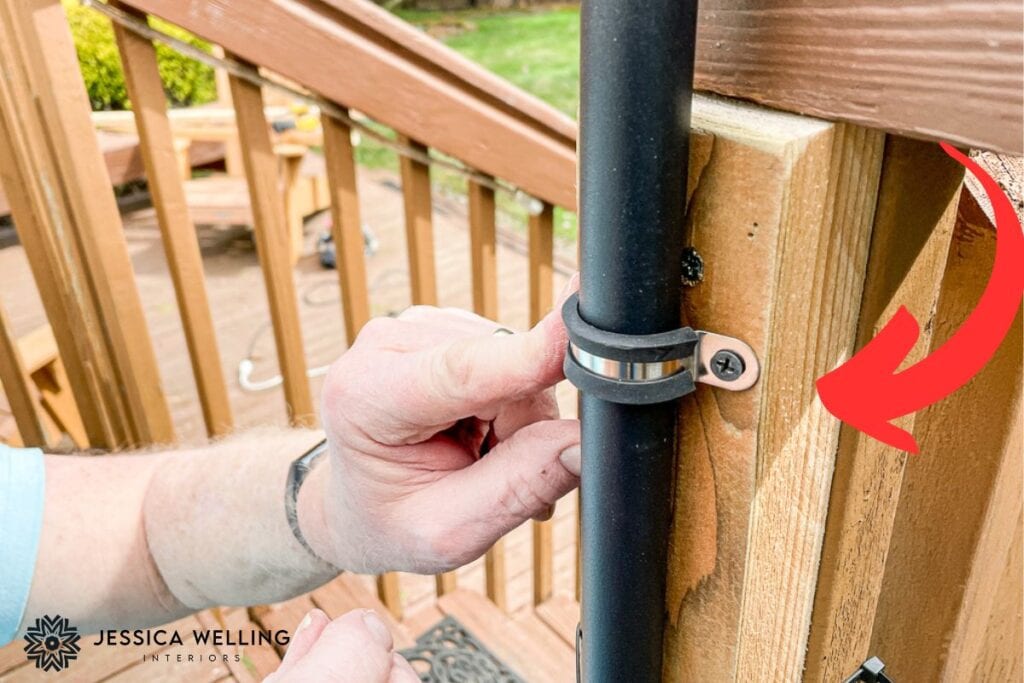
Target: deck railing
x: 59, y: 190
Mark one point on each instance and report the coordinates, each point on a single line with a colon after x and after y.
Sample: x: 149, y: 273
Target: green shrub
x: 186, y: 81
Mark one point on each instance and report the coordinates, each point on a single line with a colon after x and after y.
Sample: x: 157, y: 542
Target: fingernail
x: 306, y: 621
x: 547, y: 514
x: 378, y: 628
x: 570, y: 459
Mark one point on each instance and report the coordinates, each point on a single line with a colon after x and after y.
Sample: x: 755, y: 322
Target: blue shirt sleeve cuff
x: 22, y: 491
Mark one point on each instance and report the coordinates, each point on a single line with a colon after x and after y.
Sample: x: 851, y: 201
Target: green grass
x: 535, y: 50
x: 538, y: 50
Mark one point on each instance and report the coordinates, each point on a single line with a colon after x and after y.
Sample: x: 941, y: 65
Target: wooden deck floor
x: 240, y: 313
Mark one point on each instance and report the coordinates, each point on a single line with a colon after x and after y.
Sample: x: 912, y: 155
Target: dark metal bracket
x: 652, y: 368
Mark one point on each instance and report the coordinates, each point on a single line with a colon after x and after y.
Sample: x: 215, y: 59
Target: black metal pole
x: 636, y: 87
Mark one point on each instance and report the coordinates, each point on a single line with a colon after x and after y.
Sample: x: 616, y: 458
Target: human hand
x: 407, y: 411
x: 354, y: 648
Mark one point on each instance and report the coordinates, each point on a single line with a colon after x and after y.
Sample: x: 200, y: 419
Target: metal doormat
x: 448, y: 653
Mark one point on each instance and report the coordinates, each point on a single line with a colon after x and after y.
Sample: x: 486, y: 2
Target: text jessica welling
x: 217, y: 637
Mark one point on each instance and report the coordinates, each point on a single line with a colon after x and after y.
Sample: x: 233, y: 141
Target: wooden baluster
x: 419, y: 229
x: 482, y: 248
x: 422, y: 270
x: 290, y: 160
x: 346, y: 230
x: 541, y: 275
x: 160, y: 153
x: 390, y: 593
x: 23, y: 162
x: 17, y: 386
x: 273, y: 245
x: 68, y: 220
x: 446, y: 583
x: 482, y: 238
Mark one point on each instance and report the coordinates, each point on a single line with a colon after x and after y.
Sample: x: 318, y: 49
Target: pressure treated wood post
x: 781, y: 209
x: 917, y: 202
x: 949, y: 576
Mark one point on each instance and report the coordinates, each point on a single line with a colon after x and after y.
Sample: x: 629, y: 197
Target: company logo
x: 51, y: 643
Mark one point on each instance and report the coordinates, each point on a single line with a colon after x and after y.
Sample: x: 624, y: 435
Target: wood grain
x: 935, y: 69
x: 124, y: 161
x: 445, y: 583
x: 273, y: 246
x: 164, y: 180
x: 781, y: 208
x: 17, y: 386
x: 824, y: 261
x: 482, y: 250
x: 30, y: 175
x: 390, y: 593
x: 346, y: 227
x: 484, y: 268
x: 384, y: 67
x: 531, y: 648
x: 917, y: 202
x: 63, y: 108
x: 419, y: 227
x: 541, y: 292
x: 960, y: 498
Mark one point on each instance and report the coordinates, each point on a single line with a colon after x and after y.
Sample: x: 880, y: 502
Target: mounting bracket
x: 652, y: 368
x: 871, y: 671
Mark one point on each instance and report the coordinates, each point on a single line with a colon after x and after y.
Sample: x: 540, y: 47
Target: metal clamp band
x: 652, y: 368
x: 625, y: 371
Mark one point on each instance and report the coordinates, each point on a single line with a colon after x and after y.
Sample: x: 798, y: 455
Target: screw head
x: 727, y: 365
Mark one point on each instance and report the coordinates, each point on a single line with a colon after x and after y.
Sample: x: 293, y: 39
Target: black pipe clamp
x: 641, y: 369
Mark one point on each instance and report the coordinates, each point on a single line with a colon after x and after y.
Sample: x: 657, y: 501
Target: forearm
x: 217, y: 528
x: 133, y: 540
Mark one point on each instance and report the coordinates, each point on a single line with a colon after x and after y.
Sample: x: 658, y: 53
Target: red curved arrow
x: 866, y: 392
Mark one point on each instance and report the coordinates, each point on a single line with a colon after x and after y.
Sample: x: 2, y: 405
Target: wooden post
x: 69, y: 223
x: 781, y: 209
x: 160, y: 153
x: 346, y: 228
x: 917, y: 202
x: 274, y: 246
x: 541, y: 277
x: 419, y: 228
x: 960, y: 501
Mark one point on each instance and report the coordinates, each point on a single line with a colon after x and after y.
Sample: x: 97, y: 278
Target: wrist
x: 311, y: 511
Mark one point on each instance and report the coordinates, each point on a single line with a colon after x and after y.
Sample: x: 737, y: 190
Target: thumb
x: 356, y: 648
x: 453, y: 381
x: 518, y: 479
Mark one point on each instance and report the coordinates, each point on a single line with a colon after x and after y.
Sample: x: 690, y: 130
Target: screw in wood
x: 727, y: 365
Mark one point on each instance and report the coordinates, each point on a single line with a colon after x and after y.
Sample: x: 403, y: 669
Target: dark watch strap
x: 297, y: 472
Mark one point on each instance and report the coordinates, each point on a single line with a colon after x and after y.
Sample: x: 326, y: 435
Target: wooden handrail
x: 360, y: 57
x: 851, y: 61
